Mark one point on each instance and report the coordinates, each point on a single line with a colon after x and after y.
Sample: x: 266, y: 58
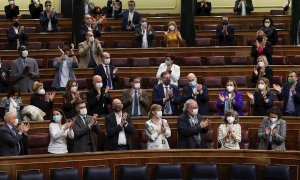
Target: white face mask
x: 195, y: 112
x: 159, y: 114
x: 261, y: 87
x: 273, y: 120
x: 83, y: 111
x: 230, y: 88
x: 25, y: 54
x: 11, y: 2
x: 106, y: 61
x: 65, y: 57
x: 261, y: 64
x: 16, y: 122
x: 99, y: 85
x: 42, y: 91
x: 230, y: 119
x: 144, y: 24
x: 74, y: 89
x: 137, y: 85
x: 91, y: 39
x: 35, y: 1
x: 172, y: 27
x: 267, y: 24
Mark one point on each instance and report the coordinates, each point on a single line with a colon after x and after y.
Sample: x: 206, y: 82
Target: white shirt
x: 49, y: 28
x: 122, y: 137
x: 17, y: 31
x: 243, y: 9
x: 64, y: 75
x: 58, y: 140
x: 229, y: 143
x: 145, y: 40
x: 130, y: 16
x: 104, y: 67
x: 156, y: 140
x: 174, y: 75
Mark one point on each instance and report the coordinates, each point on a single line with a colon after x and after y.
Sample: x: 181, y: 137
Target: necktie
x: 92, y: 62
x: 84, y: 120
x: 136, y: 103
x: 15, y: 131
x: 109, y: 83
x: 167, y: 103
x: 24, y: 62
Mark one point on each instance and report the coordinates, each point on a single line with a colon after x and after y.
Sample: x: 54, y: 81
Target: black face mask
x: 16, y: 24
x: 260, y: 39
x: 225, y: 23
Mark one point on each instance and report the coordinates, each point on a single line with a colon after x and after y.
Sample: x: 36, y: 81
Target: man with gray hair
x: 191, y: 127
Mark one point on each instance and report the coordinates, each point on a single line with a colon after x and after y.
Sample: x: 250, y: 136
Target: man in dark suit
x: 131, y: 18
x: 84, y: 128
x: 225, y: 33
x: 11, y: 10
x: 135, y: 100
x: 119, y: 128
x: 290, y: 95
x: 12, y: 139
x: 144, y: 35
x: 167, y: 95
x: 243, y: 7
x: 48, y: 19
x: 4, y: 78
x: 16, y: 35
x: 108, y: 72
x: 98, y: 98
x: 191, y: 127
x: 202, y: 8
x: 89, y: 26
x: 196, y: 91
x: 114, y: 9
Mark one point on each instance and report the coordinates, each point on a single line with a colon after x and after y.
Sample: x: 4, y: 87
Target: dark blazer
x: 238, y: 9
x: 98, y: 105
x: 39, y: 101
x: 225, y: 39
x: 271, y: 34
x: 112, y: 132
x: 10, y: 13
x: 4, y: 83
x: 186, y: 132
x: 260, y: 107
x: 99, y: 70
x: 284, y: 96
x: 135, y: 19
x: 202, y: 10
x: 9, y: 141
x: 84, y: 29
x: 268, y: 74
x: 84, y: 139
x: 158, y: 95
x: 12, y: 38
x: 139, y: 37
x: 35, y: 11
x: 127, y: 102
x: 44, y: 21
x: 267, y: 51
x: 110, y: 9
x: 201, y: 99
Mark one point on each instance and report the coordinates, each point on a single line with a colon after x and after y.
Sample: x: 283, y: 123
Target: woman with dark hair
x: 230, y: 99
x: 35, y: 9
x: 59, y: 131
x: 71, y: 96
x: 99, y: 18
x: 229, y: 133
x: 262, y: 99
x: 270, y: 30
x: 272, y: 131
x: 12, y: 102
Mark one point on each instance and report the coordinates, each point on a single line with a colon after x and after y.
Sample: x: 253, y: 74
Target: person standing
x: 35, y: 9
x: 202, y: 7
x: 144, y: 35
x: 11, y: 10
x: 16, y: 35
x: 243, y: 7
x: 48, y: 19
x: 225, y: 33
x: 130, y: 18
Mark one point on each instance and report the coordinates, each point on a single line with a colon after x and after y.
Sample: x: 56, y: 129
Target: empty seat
x: 278, y: 60
x: 296, y: 60
x: 281, y: 25
x: 245, y: 108
x: 235, y: 26
x: 30, y: 29
x: 212, y: 110
x: 215, y: 61
x: 209, y: 139
x: 55, y: 44
x: 182, y: 82
x: 40, y: 63
x: 125, y: 83
x: 281, y: 41
x: 119, y: 62
x: 3, y: 30
x: 203, y: 42
x: 242, y: 172
x: 34, y: 45
x: 6, y: 63
x: 156, y: 61
x: 277, y: 80
x: 38, y: 143
x: 4, y: 176
x: 208, y: 27
x: 113, y: 28
x: 152, y: 81
x: 122, y: 44
x: 278, y: 104
x: 141, y: 62
x: 3, y: 46
x: 64, y: 174
x: 81, y: 83
x: 212, y: 81
x: 133, y: 173
x: 47, y: 84
x: 276, y: 12
x: 31, y: 176
x: 241, y: 81
x: 237, y: 60
x: 191, y: 61
x: 277, y: 173
x: 204, y: 172
x: 244, y: 144
x: 158, y: 27
x: 168, y: 171
x: 255, y: 26
x: 94, y: 173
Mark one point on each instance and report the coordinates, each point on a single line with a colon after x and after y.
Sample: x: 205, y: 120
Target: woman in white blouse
x: 59, y: 131
x: 172, y: 68
x: 157, y: 129
x: 229, y: 133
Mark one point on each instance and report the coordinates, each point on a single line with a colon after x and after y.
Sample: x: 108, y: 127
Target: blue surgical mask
x: 193, y: 83
x: 57, y: 118
x: 166, y: 83
x: 167, y: 63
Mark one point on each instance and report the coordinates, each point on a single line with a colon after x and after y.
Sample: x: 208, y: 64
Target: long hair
x: 63, y: 117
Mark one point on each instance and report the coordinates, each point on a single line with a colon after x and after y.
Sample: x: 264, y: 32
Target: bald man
x: 11, y: 138
x: 98, y: 98
x: 198, y: 92
x: 89, y: 26
x: 119, y: 128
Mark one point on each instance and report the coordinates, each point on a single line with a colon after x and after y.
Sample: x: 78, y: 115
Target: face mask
x: 260, y: 39
x: 11, y: 2
x: 230, y: 119
x: 74, y: 89
x: 144, y: 24
x: 24, y: 54
x: 261, y: 87
x: 91, y: 39
x: 137, y: 85
x: 118, y: 108
x: 267, y: 24
x: 159, y: 114
x: 225, y: 23
x: 291, y: 80
x: 42, y: 91
x: 167, y: 82
x: 65, y: 56
x: 16, y: 122
x: 57, y: 118
x: 167, y: 63
x: 35, y: 1
x: 193, y: 83
x: 273, y: 120
x: 106, y: 61
x: 83, y: 111
x: 261, y: 64
x: 195, y: 112
x: 230, y: 88
x: 16, y: 24
x: 99, y: 85
x: 172, y: 27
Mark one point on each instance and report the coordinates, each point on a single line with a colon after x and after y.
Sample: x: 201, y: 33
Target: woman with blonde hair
x: 262, y: 70
x: 157, y: 129
x: 172, y: 36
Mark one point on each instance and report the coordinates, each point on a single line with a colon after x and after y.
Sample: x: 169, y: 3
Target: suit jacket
x: 39, y: 101
x: 202, y: 10
x: 83, y: 135
x: 139, y: 37
x: 44, y: 21
x: 98, y: 105
x: 271, y: 33
x: 99, y: 70
x: 268, y: 74
x: 127, y: 102
x: 260, y: 107
x: 135, y: 19
x: 158, y: 95
x: 201, y: 99
x: 225, y: 39
x: 12, y: 38
x: 284, y: 96
x: 84, y: 53
x: 35, y: 11
x: 267, y: 51
x: 113, y: 129
x: 238, y: 9
x: 10, y: 13
x: 24, y: 81
x: 9, y: 142
x: 237, y: 105
x: 4, y: 83
x: 186, y: 132
x: 277, y: 142
x: 84, y: 29
x: 110, y: 9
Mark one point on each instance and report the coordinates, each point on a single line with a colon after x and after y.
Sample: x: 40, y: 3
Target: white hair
x: 187, y: 104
